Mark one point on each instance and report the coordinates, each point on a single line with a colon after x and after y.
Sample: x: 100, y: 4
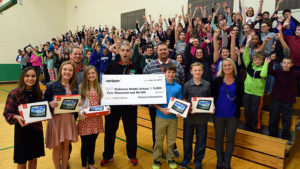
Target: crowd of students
x: 233, y: 57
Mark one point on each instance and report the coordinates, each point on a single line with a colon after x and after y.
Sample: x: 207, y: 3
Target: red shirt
x: 294, y: 44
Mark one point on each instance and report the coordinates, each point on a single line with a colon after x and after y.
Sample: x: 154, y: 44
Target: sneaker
x: 198, y: 166
x: 172, y: 164
x: 133, y: 161
x: 176, y: 153
x: 184, y: 164
x: 156, y: 165
x: 105, y: 161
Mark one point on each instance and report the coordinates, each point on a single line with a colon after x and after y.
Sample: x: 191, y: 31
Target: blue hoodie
x: 100, y: 61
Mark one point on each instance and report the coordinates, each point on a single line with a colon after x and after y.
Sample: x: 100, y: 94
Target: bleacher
x: 255, y: 147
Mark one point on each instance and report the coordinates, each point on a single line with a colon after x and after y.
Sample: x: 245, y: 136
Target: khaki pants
x: 168, y: 128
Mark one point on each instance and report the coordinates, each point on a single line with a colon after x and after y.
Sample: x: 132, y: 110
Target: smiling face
x: 255, y: 40
x: 76, y: 55
x: 264, y: 27
x: 199, y: 54
x: 163, y: 52
x: 197, y: 72
x: 30, y: 79
x: 170, y: 75
x: 258, y: 61
x: 246, y: 29
x: 179, y: 58
x: 250, y: 12
x: 92, y: 75
x: 224, y: 53
x: 67, y: 72
x: 227, y: 67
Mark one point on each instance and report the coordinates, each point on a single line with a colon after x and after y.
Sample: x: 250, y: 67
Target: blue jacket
x: 100, y: 61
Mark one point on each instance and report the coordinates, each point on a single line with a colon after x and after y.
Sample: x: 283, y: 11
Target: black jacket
x: 239, y: 86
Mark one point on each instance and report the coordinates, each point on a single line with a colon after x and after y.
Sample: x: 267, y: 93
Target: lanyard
x: 162, y: 70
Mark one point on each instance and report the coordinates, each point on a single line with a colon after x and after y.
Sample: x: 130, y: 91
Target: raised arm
x: 232, y: 46
x: 280, y: 36
x: 183, y: 14
x: 278, y: 5
x: 196, y: 8
x: 176, y: 29
x: 216, y: 47
x: 246, y: 57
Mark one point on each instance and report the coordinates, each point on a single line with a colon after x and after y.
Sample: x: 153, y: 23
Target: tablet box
x: 94, y: 111
x: 202, y: 104
x: 35, y: 112
x: 67, y: 104
x: 178, y: 106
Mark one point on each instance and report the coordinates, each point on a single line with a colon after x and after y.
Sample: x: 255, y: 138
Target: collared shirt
x: 190, y: 89
x: 154, y: 67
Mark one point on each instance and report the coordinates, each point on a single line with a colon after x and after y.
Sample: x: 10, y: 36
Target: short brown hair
x: 170, y: 66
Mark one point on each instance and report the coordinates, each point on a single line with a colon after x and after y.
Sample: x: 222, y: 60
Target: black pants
x: 277, y: 107
x: 88, y: 144
x: 253, y: 105
x: 129, y: 118
x: 230, y: 125
x: 152, y: 112
x: 201, y: 137
x: 46, y: 74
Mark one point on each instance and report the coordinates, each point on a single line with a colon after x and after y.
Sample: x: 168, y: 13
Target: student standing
x: 196, y: 87
x: 157, y: 67
x: 282, y: 97
x: 227, y: 90
x: 257, y: 71
x: 61, y: 129
x: 28, y: 139
x: 166, y: 123
x: 89, y: 127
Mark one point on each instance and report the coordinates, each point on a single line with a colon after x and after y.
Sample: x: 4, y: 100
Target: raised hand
x: 268, y: 59
x: 279, y: 27
x: 261, y: 2
x: 268, y: 38
x: 277, y: 35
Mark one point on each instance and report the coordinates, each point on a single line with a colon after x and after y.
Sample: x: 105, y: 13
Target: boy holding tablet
x: 196, y: 87
x: 166, y: 122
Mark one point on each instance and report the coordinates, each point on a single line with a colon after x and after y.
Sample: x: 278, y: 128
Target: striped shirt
x: 154, y: 67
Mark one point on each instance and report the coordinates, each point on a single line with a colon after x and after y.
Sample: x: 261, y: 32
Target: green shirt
x: 255, y: 86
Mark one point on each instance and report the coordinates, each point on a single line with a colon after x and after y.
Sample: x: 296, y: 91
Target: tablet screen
x: 69, y: 104
x: 38, y: 111
x: 204, y: 104
x: 179, y: 107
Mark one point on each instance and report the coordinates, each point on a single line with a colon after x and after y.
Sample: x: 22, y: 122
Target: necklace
x: 231, y: 99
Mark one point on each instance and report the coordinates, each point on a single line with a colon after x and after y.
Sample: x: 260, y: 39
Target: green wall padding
x: 9, y: 72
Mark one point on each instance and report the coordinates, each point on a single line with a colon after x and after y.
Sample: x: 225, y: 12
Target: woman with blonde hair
x: 61, y: 129
x: 89, y: 127
x: 227, y: 90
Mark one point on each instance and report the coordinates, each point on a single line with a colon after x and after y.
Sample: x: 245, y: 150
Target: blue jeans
x: 201, y: 136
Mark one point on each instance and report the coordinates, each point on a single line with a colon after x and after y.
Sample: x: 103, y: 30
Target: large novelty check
x: 133, y: 89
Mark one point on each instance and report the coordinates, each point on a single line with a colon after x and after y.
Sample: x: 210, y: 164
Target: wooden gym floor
x: 144, y: 151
